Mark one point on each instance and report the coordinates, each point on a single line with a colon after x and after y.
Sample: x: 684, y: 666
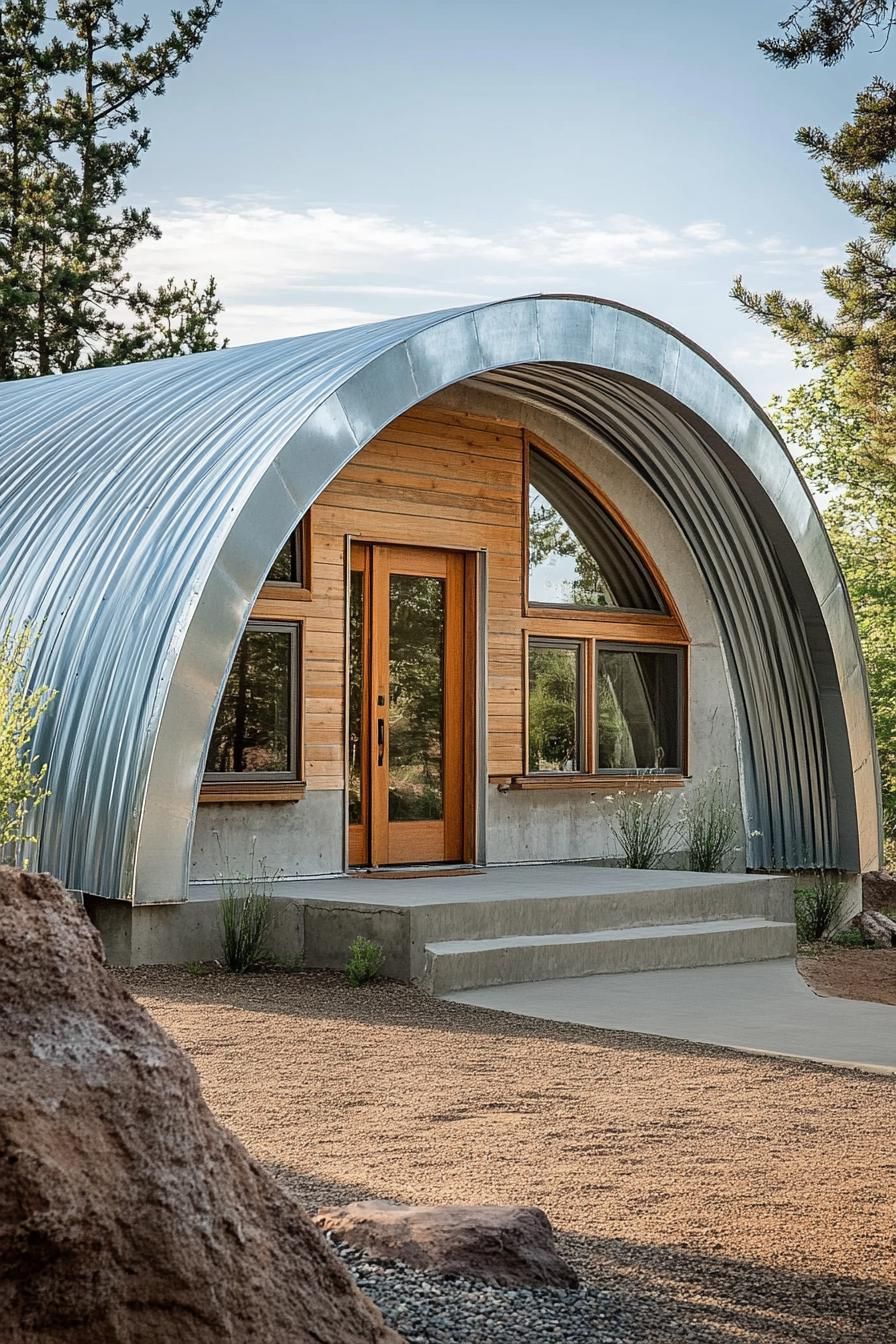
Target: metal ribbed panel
x: 140, y: 508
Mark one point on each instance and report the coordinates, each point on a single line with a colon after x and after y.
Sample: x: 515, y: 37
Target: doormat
x: 393, y: 874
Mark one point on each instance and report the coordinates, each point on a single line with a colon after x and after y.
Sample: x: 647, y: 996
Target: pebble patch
x: 431, y: 1308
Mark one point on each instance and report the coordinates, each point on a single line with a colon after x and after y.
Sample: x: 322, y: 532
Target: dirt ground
x: 852, y: 973
x: 730, y: 1197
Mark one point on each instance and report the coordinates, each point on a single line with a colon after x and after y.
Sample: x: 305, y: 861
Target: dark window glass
x: 639, y: 710
x: 578, y: 554
x: 355, y: 696
x: 255, y: 730
x: 554, y: 706
x: 289, y: 567
x: 416, y: 697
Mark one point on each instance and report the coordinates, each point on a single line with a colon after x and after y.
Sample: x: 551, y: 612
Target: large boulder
x: 879, y: 890
x: 512, y: 1246
x: 127, y: 1214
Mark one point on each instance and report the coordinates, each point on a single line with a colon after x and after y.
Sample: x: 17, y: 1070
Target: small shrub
x: 21, y: 777
x: 848, y: 938
x: 246, y: 911
x: 710, y: 825
x: 198, y: 968
x: 639, y: 823
x: 365, y: 961
x: 819, y: 908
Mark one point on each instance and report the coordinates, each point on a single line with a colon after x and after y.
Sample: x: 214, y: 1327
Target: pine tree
x: 857, y: 344
x: 70, y: 136
x: 857, y: 494
x: 825, y: 30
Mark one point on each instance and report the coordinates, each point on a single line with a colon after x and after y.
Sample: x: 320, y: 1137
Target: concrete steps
x: 472, y: 963
x: 541, y: 921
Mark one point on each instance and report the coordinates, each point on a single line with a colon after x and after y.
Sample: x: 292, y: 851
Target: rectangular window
x: 291, y: 565
x: 639, y: 709
x: 256, y: 734
x: 555, y: 706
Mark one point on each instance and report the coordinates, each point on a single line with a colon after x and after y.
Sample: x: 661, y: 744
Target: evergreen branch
x: 830, y: 30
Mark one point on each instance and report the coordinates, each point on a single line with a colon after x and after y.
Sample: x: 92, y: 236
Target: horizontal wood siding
x: 433, y: 478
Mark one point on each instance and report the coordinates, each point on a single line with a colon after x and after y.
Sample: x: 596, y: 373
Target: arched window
x: 579, y: 556
x: 606, y: 661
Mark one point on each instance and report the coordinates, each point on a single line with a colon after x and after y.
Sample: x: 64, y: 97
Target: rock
x: 508, y: 1246
x: 128, y: 1215
x: 879, y: 890
x: 878, y: 930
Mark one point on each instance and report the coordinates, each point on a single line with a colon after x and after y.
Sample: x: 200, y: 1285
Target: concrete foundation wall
x: 184, y: 931
x: 303, y: 839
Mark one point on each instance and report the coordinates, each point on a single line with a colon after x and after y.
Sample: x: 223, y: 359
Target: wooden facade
x: 437, y: 479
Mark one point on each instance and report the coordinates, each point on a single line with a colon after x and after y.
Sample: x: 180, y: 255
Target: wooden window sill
x: 253, y: 791
x: 594, y: 783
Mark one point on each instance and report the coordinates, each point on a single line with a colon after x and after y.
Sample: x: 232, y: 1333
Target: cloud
x: 760, y: 350
x: 285, y: 270
x: 250, y: 244
x: 247, y: 322
x: 255, y: 244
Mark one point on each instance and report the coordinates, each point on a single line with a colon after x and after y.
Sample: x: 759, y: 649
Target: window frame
x: 294, y: 590
x: 567, y: 611
x: 582, y: 734
x: 269, y: 785
x: 636, y: 772
x: 612, y: 628
x: 589, y: 772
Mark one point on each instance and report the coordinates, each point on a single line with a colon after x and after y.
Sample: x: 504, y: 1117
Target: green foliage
x: 857, y: 343
x: 858, y: 497
x: 640, y: 825
x: 21, y: 776
x: 71, y: 81
x: 246, y: 912
x: 416, y: 697
x: 553, y: 695
x: 550, y: 536
x: 819, y: 908
x: 851, y: 937
x: 198, y: 968
x: 366, y: 960
x: 710, y: 825
x: 825, y: 30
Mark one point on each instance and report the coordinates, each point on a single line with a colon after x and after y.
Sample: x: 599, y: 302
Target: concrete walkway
x: 763, y: 1007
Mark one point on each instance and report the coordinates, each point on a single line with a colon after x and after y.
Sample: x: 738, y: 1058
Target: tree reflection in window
x: 578, y: 554
x: 554, y: 706
x: 639, y: 709
x: 416, y: 697
x: 355, y: 697
x: 255, y: 729
x: 289, y: 566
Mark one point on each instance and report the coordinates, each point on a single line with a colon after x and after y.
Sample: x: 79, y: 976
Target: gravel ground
x: 852, y: 973
x: 710, y: 1196
x: 432, y: 1309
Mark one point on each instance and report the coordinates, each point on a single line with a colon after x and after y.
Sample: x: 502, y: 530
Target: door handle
x: 380, y: 740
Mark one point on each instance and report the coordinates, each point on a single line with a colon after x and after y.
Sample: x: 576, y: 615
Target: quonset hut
x: 414, y: 594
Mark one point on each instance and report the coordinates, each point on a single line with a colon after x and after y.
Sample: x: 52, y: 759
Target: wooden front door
x: 409, y: 711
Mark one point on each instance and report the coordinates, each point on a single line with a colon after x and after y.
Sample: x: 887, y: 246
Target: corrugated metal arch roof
x: 141, y: 507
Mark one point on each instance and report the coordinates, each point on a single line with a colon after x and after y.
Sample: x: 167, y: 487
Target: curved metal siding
x: 786, y: 776
x: 119, y: 486
x: 141, y: 506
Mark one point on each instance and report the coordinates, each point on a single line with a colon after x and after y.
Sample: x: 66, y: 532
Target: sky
x: 342, y: 162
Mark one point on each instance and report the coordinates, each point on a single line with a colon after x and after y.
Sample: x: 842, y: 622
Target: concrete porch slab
x: 413, y: 918
x: 762, y: 1007
x: 537, y: 881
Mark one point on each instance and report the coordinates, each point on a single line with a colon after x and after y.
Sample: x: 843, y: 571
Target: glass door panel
x: 406, y: 706
x: 416, y: 697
